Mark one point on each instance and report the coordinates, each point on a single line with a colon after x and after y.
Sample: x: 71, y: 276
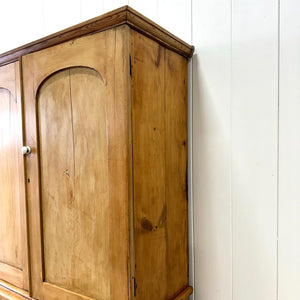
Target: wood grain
x: 13, y: 229
x: 148, y: 129
x: 100, y: 128
x: 123, y: 15
x: 11, y: 292
x: 74, y: 185
x: 57, y: 175
x: 37, y: 67
x: 175, y: 97
x: 98, y: 138
x: 11, y: 274
x: 120, y: 169
x: 6, y: 294
x: 159, y: 116
x: 150, y: 29
x: 184, y: 295
x: 52, y: 292
x: 10, y: 247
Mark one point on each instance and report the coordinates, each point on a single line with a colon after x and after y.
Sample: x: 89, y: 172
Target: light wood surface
x: 175, y: 99
x: 184, y: 295
x: 12, y: 292
x: 148, y: 123
x: 106, y: 118
x: 6, y: 294
x: 13, y: 229
x: 159, y: 106
x: 94, y: 191
x: 120, y: 169
x: 74, y: 181
x: 10, y: 251
x: 52, y: 292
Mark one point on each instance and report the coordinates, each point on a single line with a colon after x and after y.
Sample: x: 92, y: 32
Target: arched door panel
x: 74, y: 181
x: 77, y: 124
x: 13, y: 229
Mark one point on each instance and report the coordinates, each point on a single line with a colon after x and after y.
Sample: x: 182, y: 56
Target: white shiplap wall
x: 254, y: 122
x: 289, y: 152
x: 211, y: 149
x: 244, y: 146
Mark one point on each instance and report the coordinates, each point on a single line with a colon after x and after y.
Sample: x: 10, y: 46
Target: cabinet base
x: 184, y: 295
x: 6, y: 293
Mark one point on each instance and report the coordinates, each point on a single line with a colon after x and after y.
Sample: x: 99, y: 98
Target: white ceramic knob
x: 26, y: 150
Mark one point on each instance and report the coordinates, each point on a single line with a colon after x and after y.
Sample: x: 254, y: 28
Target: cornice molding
x: 123, y: 15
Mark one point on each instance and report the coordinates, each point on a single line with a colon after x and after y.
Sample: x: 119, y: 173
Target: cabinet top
x: 120, y: 16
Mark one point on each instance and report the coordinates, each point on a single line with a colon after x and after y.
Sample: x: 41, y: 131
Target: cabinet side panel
x: 176, y: 171
x: 148, y: 123
x: 159, y: 116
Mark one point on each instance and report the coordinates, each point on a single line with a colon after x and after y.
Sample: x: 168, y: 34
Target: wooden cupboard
x: 96, y: 208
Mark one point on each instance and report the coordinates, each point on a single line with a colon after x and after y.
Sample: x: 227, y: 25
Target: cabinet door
x: 77, y: 117
x: 13, y: 239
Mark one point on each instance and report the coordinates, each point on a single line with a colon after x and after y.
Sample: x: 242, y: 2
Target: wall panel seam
x: 278, y: 138
x: 230, y: 175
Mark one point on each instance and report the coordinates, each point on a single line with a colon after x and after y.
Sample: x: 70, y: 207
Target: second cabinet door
x: 77, y: 175
x: 13, y: 228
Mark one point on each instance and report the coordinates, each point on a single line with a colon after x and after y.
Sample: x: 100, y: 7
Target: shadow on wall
x: 211, y: 179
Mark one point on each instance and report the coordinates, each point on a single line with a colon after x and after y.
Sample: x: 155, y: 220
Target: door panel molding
x: 15, y: 272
